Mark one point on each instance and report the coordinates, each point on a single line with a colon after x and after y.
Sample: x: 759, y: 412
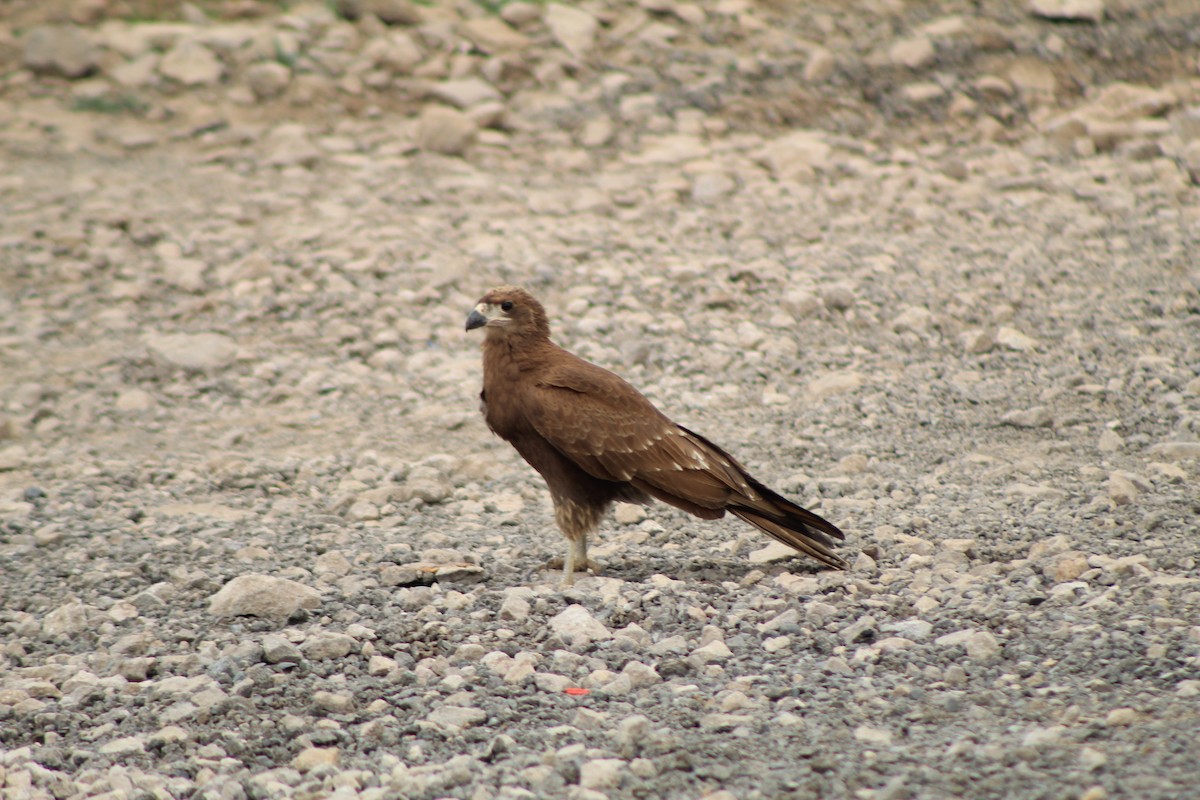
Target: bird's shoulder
x: 567, y: 372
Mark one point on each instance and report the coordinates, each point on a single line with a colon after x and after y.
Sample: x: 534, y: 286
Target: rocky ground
x: 930, y: 269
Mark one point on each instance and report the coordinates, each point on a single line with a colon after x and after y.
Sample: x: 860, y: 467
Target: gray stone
x: 573, y: 28
x: 191, y: 64
x: 797, y: 156
x: 125, y: 746
x: 289, y: 145
x: 327, y: 645
x: 333, y: 702
x: 60, y: 50
x: 494, y: 35
x: 982, y: 646
x: 914, y: 53
x: 1036, y: 417
x: 277, y: 650
x: 601, y: 773
x: 268, y: 79
x: 456, y: 717
x: 69, y: 619
x: 465, y: 92
x: 1087, y: 10
x: 445, y: 130
x: 263, y: 596
x: 195, y: 351
x: 14, y: 456
x: 575, y: 623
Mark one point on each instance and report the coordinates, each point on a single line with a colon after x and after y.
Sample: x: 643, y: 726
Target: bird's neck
x: 509, y: 354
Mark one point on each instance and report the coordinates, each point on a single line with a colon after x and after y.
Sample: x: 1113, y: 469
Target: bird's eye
x: 506, y: 305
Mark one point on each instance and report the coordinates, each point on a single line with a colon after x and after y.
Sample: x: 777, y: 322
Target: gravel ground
x: 930, y: 270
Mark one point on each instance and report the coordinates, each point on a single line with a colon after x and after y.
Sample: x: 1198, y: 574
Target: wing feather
x: 612, y: 432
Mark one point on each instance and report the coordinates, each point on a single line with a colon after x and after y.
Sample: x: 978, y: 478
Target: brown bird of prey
x: 595, y: 439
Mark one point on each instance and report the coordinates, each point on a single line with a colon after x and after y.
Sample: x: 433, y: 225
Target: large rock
x: 492, y: 35
x: 391, y: 12
x: 262, y: 596
x: 796, y: 156
x: 445, y: 130
x: 1074, y: 10
x: 198, y: 351
x: 465, y: 92
x: 60, y: 50
x: 575, y: 623
x: 191, y: 64
x: 268, y: 79
x: 574, y: 28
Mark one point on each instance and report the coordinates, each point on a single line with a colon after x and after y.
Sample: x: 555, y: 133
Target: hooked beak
x: 476, y: 319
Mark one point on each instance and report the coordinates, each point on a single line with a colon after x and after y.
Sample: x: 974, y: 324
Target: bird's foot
x: 580, y: 565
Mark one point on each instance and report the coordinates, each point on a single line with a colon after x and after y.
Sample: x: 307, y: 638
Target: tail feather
x: 725, y: 485
x: 795, y: 535
x: 791, y: 524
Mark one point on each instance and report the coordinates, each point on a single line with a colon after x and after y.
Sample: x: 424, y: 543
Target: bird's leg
x: 576, y: 559
x: 575, y: 521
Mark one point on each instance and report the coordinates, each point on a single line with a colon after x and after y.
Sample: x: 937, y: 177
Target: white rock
x: 14, y: 456
x: 982, y: 646
x: 773, y: 551
x: 514, y: 607
x: 445, y: 130
x: 332, y: 561
x: 60, y: 49
x: 1120, y: 717
x: 709, y: 187
x: 191, y: 64
x: 1092, y: 759
x: 640, y: 674
x: 875, y: 737
x: 629, y: 513
x: 574, y: 28
x: 912, y: 318
x: 914, y: 53
x: 125, y: 746
x: 268, y: 79
x: 493, y: 34
x: 185, y: 273
x: 288, y: 145
x: 796, y: 156
x: 953, y: 639
x: 1089, y: 10
x: 1176, y: 451
x: 310, y: 758
x: 1013, y: 339
x: 833, y: 383
x: 601, y: 773
x: 327, y: 645
x: 916, y: 629
x: 456, y: 717
x: 820, y: 65
x: 196, y: 351
x: 262, y: 596
x: 715, y: 650
x: 69, y: 619
x: 576, y: 624
x: 465, y: 92
x: 1036, y: 417
x: 1040, y: 737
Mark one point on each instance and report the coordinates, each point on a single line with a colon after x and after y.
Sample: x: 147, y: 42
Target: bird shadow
x: 692, y: 569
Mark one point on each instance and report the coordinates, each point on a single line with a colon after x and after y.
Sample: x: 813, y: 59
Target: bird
x: 595, y: 440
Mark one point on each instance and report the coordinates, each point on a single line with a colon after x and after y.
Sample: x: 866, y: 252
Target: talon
x: 586, y: 565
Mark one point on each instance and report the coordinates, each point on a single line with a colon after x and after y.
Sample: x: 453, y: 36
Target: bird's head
x: 508, y: 311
